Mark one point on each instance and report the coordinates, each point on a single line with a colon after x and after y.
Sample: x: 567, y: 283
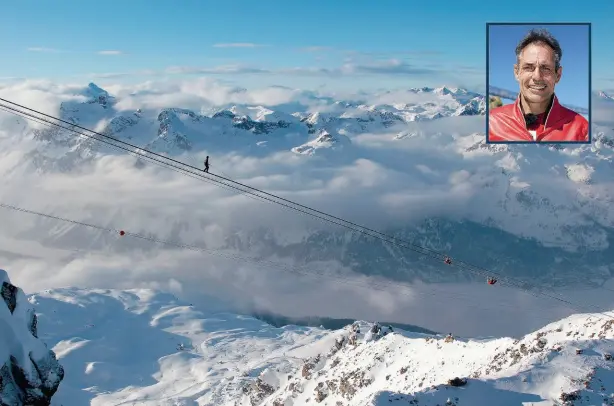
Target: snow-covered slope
x: 567, y: 360
x: 29, y: 371
x: 145, y: 347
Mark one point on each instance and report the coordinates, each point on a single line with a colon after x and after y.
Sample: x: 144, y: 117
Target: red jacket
x: 506, y: 123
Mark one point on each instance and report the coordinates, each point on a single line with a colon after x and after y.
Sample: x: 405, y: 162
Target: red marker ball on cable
x: 122, y: 232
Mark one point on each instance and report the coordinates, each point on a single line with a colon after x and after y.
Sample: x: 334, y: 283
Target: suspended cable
x: 154, y: 161
x: 201, y: 175
x: 380, y: 285
x: 215, y: 175
x: 335, y: 220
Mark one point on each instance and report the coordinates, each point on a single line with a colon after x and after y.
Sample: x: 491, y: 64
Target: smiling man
x: 537, y: 115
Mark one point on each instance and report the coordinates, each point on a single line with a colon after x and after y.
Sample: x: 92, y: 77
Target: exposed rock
x: 457, y: 382
x: 31, y: 374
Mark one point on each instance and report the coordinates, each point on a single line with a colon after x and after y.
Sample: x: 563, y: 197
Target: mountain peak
x: 442, y: 90
x: 95, y: 94
x: 605, y: 95
x: 94, y: 88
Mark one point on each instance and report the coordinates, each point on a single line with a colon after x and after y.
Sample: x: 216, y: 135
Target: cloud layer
x: 110, y: 52
x: 379, y: 180
x: 384, y: 67
x: 44, y: 49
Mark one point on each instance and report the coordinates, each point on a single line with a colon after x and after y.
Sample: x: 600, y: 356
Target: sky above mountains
x: 342, y: 45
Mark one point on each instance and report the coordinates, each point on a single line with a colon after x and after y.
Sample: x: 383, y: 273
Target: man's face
x: 536, y: 73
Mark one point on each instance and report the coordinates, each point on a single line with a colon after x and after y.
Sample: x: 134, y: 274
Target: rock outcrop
x: 30, y: 374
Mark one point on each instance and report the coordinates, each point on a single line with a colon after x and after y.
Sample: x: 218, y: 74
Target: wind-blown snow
x: 146, y: 347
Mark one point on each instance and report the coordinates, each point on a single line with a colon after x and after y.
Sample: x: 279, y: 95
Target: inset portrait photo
x: 538, y: 78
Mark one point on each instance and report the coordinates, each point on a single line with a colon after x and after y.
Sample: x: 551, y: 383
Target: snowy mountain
x: 146, y: 347
x: 413, y: 164
x: 175, y: 130
x: 29, y: 372
x: 605, y: 96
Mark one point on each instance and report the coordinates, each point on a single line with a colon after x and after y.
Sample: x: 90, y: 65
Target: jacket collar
x: 552, y: 115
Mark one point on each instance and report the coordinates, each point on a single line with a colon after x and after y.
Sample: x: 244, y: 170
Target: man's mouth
x: 538, y: 88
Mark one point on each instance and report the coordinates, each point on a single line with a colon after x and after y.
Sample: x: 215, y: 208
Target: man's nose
x: 537, y: 73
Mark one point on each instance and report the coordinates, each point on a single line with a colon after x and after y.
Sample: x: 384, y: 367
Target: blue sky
x: 356, y: 44
x: 573, y: 87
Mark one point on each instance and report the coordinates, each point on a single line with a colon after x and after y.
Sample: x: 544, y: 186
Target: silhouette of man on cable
x: 207, y: 164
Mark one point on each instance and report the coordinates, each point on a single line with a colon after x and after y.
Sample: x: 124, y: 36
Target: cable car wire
x: 304, y: 270
x: 201, y: 175
x: 381, y: 285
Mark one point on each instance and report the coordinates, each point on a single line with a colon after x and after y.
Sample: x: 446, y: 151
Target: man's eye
x: 543, y: 69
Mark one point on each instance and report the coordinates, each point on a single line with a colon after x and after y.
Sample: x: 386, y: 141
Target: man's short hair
x: 542, y: 36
